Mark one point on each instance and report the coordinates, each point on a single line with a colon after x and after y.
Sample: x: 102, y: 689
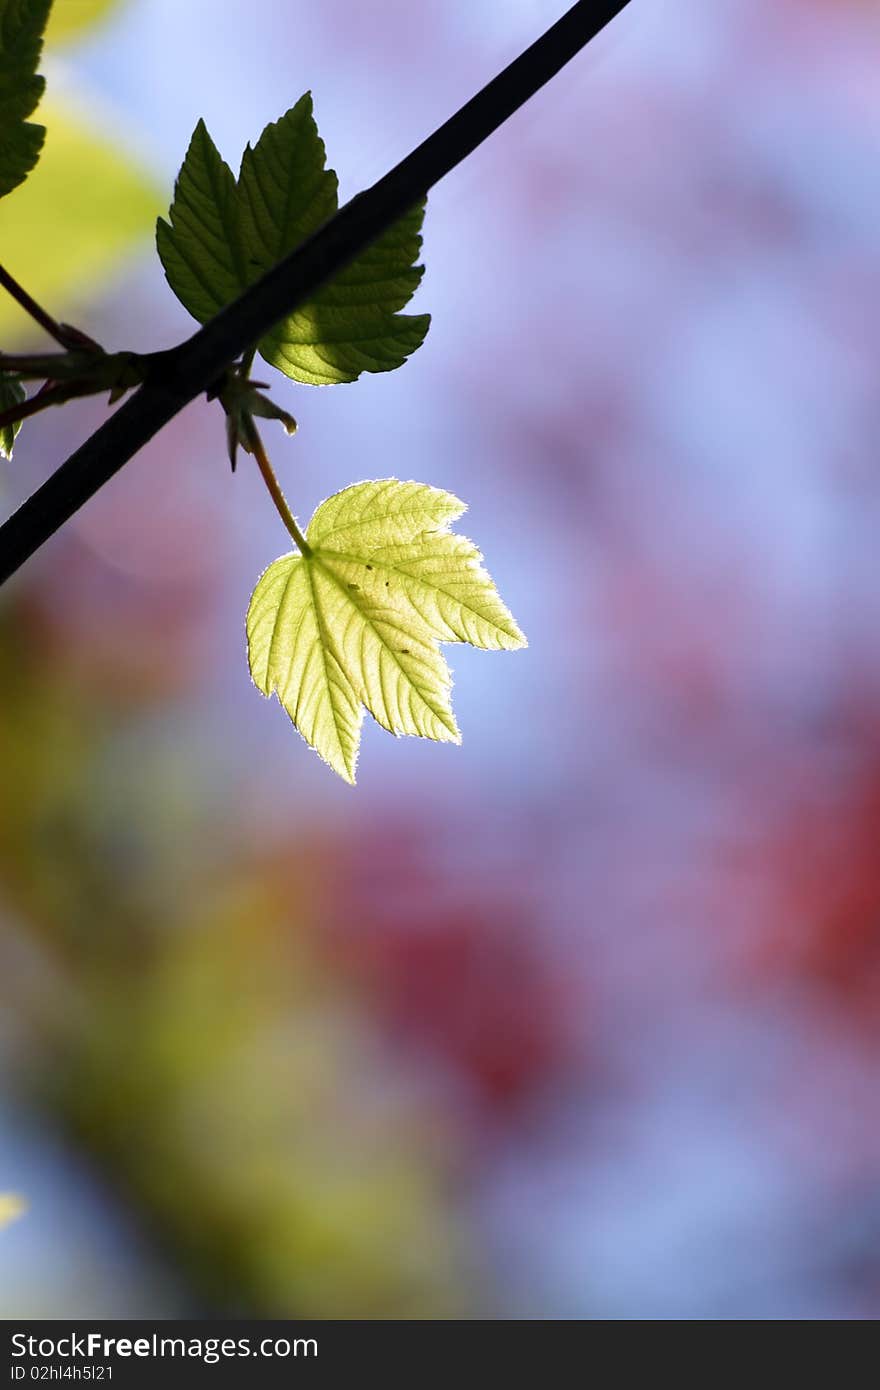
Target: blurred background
x: 581, y: 1020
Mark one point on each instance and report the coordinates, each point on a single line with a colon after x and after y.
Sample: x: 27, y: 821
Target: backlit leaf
x: 222, y: 236
x: 357, y: 622
x: 199, y: 247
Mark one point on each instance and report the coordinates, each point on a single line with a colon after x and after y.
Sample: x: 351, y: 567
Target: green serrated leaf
x: 199, y: 247
x: 22, y: 23
x: 224, y: 235
x: 353, y: 325
x: 285, y: 191
x: 11, y: 393
x: 357, y: 622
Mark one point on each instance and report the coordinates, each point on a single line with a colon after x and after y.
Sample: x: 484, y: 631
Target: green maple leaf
x: 222, y: 235
x: 199, y: 247
x: 357, y: 620
x: 11, y: 393
x: 22, y: 23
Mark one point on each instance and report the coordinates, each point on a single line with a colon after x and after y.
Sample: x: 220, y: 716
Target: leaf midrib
x: 442, y: 715
x: 413, y: 579
x: 327, y: 646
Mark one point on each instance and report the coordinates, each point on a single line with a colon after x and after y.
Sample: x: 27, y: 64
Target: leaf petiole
x: 255, y: 444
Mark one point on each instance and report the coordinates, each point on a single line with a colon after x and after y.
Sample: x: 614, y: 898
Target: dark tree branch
x: 177, y: 376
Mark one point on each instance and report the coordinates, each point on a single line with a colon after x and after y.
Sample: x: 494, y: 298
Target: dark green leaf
x: 224, y: 236
x: 22, y: 23
x: 353, y: 325
x: 199, y: 248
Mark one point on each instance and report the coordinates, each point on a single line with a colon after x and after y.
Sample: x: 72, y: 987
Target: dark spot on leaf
x: 405, y: 651
x: 387, y: 582
x: 354, y: 586
x: 369, y: 567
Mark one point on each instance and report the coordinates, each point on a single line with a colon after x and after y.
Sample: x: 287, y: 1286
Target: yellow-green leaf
x: 356, y: 621
x: 290, y: 651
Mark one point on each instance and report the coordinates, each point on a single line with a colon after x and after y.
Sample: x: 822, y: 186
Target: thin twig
x: 30, y: 306
x: 180, y: 374
x: 59, y: 395
x: 255, y: 444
